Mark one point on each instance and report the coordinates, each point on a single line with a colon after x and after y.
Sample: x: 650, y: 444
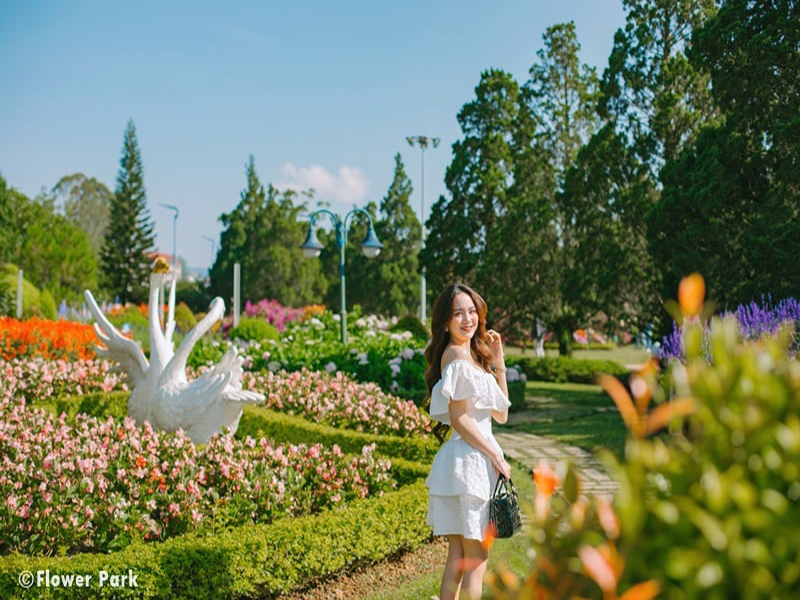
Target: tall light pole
x: 371, y: 247
x: 174, y: 235
x: 423, y: 142
x: 213, y: 250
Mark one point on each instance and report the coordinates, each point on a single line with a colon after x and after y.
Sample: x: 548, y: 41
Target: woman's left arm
x: 499, y: 364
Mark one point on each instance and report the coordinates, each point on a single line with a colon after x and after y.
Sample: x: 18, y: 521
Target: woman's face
x: 464, y: 320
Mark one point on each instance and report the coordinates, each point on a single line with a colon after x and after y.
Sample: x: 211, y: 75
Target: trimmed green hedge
x: 250, y: 561
x: 516, y: 394
x: 261, y: 422
x: 563, y: 369
x: 577, y: 346
x: 98, y: 404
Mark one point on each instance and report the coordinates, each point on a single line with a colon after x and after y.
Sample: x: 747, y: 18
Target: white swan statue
x: 161, y: 392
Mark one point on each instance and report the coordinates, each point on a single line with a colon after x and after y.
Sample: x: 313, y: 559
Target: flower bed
x: 36, y: 378
x: 335, y: 399
x: 393, y: 360
x: 45, y: 339
x: 100, y: 485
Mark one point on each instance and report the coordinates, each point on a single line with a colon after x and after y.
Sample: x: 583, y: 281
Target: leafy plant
x: 254, y: 329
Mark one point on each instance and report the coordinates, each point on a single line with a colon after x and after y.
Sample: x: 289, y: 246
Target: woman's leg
x: 474, y: 568
x: 453, y: 569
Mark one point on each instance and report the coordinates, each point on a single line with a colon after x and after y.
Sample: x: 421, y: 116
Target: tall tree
x: 86, y: 202
x: 730, y: 206
x: 562, y: 93
x: 478, y: 180
x: 235, y: 243
x: 658, y: 98
x: 561, y: 96
x: 52, y: 251
x: 129, y: 237
x: 395, y: 290
x: 263, y: 234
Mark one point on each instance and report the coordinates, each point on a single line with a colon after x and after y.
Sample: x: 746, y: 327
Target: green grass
x: 512, y: 553
x: 569, y: 413
x: 624, y: 355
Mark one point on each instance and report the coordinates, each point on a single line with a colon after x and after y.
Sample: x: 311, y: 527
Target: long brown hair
x: 440, y: 338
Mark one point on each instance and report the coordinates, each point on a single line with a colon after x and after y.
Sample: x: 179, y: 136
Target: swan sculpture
x: 161, y: 392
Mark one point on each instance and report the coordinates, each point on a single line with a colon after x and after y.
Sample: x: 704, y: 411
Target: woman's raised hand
x: 496, y: 347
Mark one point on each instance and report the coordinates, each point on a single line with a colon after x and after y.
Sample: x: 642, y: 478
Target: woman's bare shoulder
x: 452, y: 353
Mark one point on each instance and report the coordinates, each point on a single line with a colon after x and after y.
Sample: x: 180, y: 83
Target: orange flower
x: 603, y: 564
x: 488, y: 536
x: 545, y: 479
x: 141, y: 462
x: 691, y: 293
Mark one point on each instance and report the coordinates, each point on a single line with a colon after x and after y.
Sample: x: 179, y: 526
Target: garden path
x: 529, y: 449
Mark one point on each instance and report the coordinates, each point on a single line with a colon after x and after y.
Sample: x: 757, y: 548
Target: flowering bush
x: 32, y: 379
x: 393, y: 360
x: 335, y: 399
x: 98, y: 485
x: 709, y: 510
x: 46, y: 339
x: 754, y: 321
x: 275, y: 314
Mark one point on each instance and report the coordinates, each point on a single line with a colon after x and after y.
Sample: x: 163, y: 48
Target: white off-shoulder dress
x: 462, y: 477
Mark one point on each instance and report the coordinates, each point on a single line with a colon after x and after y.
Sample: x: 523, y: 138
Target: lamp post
x: 423, y: 142
x: 312, y: 247
x: 174, y: 234
x: 213, y: 250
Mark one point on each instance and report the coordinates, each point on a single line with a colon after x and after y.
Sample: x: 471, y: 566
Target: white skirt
x: 464, y: 515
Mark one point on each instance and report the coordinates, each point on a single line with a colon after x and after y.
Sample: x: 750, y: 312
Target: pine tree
x: 129, y: 237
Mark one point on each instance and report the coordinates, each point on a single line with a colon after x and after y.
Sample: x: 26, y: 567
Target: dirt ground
x: 385, y: 575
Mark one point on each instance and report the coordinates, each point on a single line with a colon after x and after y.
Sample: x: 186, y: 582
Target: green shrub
x: 48, y: 305
x: 412, y: 323
x: 254, y: 561
x: 254, y: 329
x: 30, y: 293
x: 261, y: 422
x: 516, y: 394
x: 577, y: 346
x: 99, y: 404
x: 562, y: 369
x: 709, y: 509
x: 8, y: 300
x: 184, y: 318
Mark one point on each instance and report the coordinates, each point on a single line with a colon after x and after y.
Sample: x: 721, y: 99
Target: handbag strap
x: 501, y: 481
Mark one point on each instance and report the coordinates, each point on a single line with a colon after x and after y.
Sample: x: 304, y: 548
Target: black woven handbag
x: 504, y: 515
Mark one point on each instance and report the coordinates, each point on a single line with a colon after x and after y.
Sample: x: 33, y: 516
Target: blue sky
x: 322, y: 94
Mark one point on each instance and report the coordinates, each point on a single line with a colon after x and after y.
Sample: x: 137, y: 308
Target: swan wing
x: 115, y: 345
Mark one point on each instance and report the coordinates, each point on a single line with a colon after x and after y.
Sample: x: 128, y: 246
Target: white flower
x: 337, y: 317
x: 394, y: 387
x: 395, y: 369
x: 396, y: 336
x: 274, y: 366
x: 317, y: 323
x: 396, y: 361
x: 361, y: 322
x: 310, y: 342
x: 513, y: 375
x: 265, y: 356
x: 369, y: 333
x: 408, y: 354
x: 353, y: 351
x: 406, y: 335
x: 394, y: 320
x: 330, y: 367
x: 362, y: 358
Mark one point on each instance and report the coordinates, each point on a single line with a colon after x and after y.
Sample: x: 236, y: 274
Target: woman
x: 466, y: 394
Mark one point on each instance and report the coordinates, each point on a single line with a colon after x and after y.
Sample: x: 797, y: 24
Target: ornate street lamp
x: 312, y: 247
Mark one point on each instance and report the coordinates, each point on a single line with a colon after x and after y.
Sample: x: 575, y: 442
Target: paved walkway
x: 529, y: 449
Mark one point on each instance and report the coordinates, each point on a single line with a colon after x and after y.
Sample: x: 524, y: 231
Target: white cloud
x: 348, y: 186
